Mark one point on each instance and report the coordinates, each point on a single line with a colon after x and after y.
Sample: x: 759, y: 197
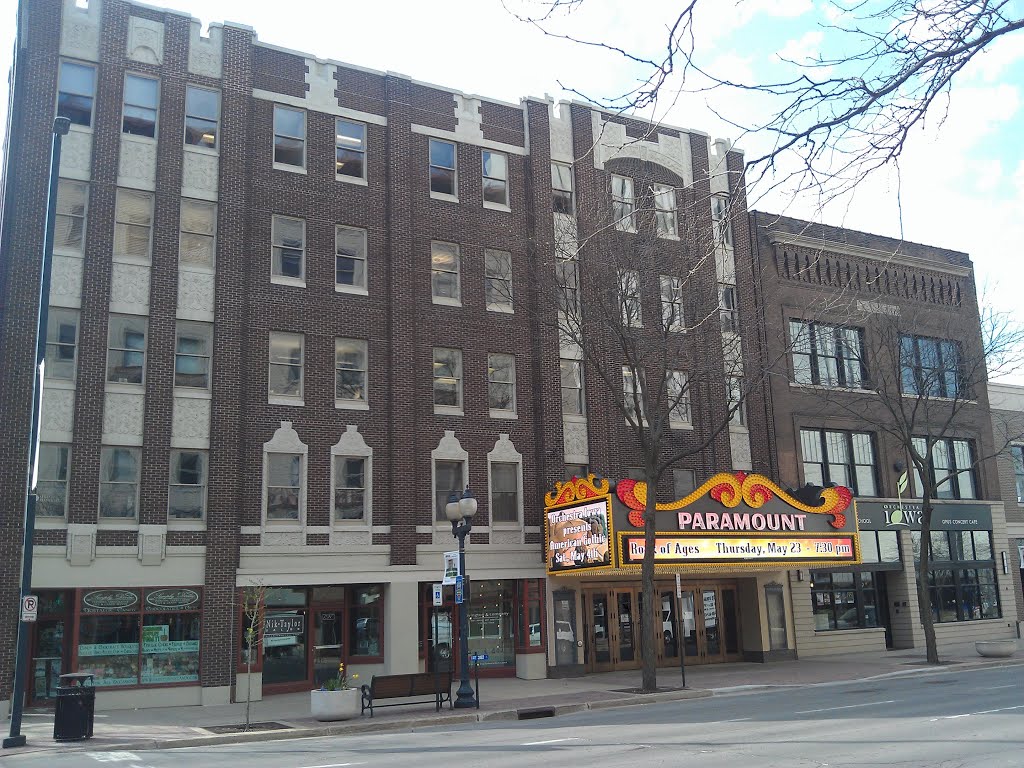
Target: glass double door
x: 704, y: 624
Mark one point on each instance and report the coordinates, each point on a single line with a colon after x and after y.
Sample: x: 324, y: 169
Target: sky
x: 961, y: 180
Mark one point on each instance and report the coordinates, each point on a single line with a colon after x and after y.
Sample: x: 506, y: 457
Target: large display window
x: 131, y: 637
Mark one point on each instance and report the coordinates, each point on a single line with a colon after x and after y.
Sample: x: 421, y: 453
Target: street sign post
x: 29, y: 608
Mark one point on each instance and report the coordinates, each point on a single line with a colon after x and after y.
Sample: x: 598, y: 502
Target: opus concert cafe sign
x: 734, y: 520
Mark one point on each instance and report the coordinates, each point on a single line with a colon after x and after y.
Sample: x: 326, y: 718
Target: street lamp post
x: 61, y: 125
x: 459, y: 512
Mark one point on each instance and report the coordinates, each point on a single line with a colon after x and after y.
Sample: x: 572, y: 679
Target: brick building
x: 230, y: 215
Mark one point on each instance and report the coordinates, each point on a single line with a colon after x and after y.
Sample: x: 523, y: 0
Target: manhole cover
x: 240, y: 727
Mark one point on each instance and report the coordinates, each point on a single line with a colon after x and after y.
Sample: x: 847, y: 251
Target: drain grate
x: 865, y: 690
x: 535, y: 713
x: 940, y: 682
x: 240, y: 727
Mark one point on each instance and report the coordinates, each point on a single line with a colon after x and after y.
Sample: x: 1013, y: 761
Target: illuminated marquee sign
x: 733, y: 520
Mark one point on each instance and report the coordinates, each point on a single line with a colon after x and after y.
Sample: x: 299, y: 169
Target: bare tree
x: 640, y: 308
x: 919, y: 379
x: 253, y: 601
x: 884, y: 68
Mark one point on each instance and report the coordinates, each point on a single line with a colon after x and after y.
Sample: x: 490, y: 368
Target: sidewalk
x: 162, y: 728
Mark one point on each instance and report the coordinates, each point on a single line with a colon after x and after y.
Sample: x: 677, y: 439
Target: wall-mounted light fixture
x: 1006, y: 566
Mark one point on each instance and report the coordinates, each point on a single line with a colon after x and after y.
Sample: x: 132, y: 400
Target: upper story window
x: 61, y: 343
x: 76, y: 92
x: 629, y: 298
x: 69, y: 223
x: 284, y: 486
x: 186, y: 498
x: 289, y: 248
x: 447, y: 379
x: 735, y: 400
x: 623, y: 203
x: 133, y: 224
x: 192, y: 349
x: 721, y: 221
x: 119, y: 482
x: 286, y: 364
x: 828, y: 355
x: 672, y: 303
x: 561, y: 188
x: 495, y: 177
x: 504, y: 491
x: 289, y: 136
x: 350, y: 365
x: 141, y: 100
x: 665, y: 210
x: 952, y: 459
x: 678, y: 392
x: 567, y: 275
x: 448, y: 479
x: 498, y: 280
x: 843, y: 458
x: 349, y: 149
x: 683, y: 482
x: 572, y: 387
x: 197, y: 238
x: 727, y: 311
x: 126, y: 349
x: 350, y: 495
x: 444, y: 273
x: 202, y: 116
x: 501, y: 384
x: 1017, y: 455
x: 930, y: 367
x: 632, y: 394
x: 52, y: 482
x: 349, y: 259
x: 443, y: 171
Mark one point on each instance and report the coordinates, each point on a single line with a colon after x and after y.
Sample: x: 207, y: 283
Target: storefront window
x: 113, y: 622
x: 491, y: 630
x: 531, y: 618
x: 365, y: 621
x: 284, y: 644
x: 958, y: 593
x: 844, y: 600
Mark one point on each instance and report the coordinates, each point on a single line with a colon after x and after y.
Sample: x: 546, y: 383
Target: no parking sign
x: 29, y: 608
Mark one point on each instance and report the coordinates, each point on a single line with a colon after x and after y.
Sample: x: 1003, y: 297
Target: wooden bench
x: 435, y: 684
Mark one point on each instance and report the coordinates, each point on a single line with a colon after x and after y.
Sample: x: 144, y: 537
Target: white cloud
x: 803, y: 48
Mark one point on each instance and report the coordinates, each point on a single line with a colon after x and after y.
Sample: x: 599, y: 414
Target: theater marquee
x: 734, y: 520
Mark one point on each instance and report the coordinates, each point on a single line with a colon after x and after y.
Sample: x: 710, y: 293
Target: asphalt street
x: 961, y: 718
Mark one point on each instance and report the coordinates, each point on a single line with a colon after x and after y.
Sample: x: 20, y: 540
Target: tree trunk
x: 647, y: 648
x: 924, y: 603
x: 248, y: 684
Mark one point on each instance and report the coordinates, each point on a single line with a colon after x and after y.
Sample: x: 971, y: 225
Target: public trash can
x: 73, y: 707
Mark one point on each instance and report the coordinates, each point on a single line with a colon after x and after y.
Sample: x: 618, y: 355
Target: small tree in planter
x: 252, y: 607
x: 336, y: 699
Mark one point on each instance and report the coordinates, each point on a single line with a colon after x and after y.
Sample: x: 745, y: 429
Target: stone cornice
x: 817, y: 244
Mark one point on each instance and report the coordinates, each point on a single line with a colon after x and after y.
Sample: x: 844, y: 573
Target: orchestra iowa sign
x: 734, y: 520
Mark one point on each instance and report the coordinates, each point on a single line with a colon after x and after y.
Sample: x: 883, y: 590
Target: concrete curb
x: 380, y: 726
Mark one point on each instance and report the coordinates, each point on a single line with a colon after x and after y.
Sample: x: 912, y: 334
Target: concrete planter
x: 334, y: 705
x: 996, y: 648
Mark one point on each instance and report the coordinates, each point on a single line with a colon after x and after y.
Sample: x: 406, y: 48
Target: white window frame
x: 215, y: 120
x: 285, y: 441
x: 451, y: 301
x: 500, y: 276
x: 556, y: 189
x: 484, y: 178
x: 42, y: 480
x: 677, y: 385
x: 454, y: 195
x: 357, y: 404
x: 448, y: 449
x: 204, y: 484
x: 501, y: 413
x: 363, y: 288
x: 91, y: 96
x: 351, y: 445
x: 721, y: 220
x: 137, y: 454
x: 666, y: 212
x: 57, y: 317
x: 121, y: 196
x: 63, y: 212
x: 673, y: 317
x: 728, y: 311
x: 123, y: 349
x: 629, y: 298
x: 275, y: 246
x: 197, y: 329
x: 348, y: 177
x: 451, y: 410
x: 155, y: 109
x: 631, y: 383
x: 279, y: 399
x: 626, y: 199
x: 734, y: 394
x: 282, y: 166
x: 581, y: 399
x: 207, y: 205
x: 504, y: 452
